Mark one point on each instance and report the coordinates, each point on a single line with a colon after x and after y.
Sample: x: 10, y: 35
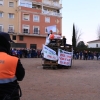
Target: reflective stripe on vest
x: 8, y: 66
x: 7, y: 80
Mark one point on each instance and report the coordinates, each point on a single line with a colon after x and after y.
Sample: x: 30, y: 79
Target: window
x: 18, y: 45
x: 47, y: 19
x: 96, y: 45
x: 46, y: 30
x: 1, y: 2
x: 1, y: 28
x: 36, y: 30
x: 33, y: 6
x: 55, y: 11
x: 14, y: 37
x: 35, y: 18
x: 11, y: 15
x: 25, y: 28
x: 33, y: 46
x: 11, y: 29
x: 1, y: 14
x: 11, y: 4
x: 26, y: 16
x: 21, y: 38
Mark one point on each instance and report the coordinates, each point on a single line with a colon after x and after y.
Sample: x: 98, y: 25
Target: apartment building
x: 26, y: 20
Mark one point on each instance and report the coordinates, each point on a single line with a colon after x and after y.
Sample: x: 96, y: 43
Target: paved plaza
x: 81, y: 82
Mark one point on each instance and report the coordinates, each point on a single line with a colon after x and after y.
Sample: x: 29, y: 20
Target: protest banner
x: 53, y: 28
x: 64, y: 57
x: 25, y: 3
x: 49, y: 53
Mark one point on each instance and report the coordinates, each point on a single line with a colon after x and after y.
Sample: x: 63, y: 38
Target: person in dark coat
x: 64, y: 41
x: 97, y: 55
x: 11, y: 71
x: 85, y: 55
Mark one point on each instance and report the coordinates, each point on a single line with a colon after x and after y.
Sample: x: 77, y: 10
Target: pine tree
x: 74, y: 38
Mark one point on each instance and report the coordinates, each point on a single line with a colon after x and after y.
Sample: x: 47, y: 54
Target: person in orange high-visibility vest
x: 51, y: 36
x: 11, y: 71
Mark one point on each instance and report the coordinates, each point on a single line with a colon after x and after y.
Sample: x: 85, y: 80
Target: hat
x: 6, y: 36
x: 50, y: 30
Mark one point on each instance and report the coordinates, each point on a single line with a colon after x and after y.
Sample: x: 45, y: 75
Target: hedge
x: 88, y: 49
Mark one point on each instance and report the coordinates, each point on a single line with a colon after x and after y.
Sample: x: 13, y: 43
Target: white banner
x: 64, y: 57
x: 49, y: 53
x: 53, y: 28
x: 25, y: 3
x: 57, y: 36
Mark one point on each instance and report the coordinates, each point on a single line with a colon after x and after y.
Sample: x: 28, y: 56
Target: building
x: 94, y: 44
x: 26, y: 20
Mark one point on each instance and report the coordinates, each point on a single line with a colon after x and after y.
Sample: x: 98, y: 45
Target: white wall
x: 93, y: 45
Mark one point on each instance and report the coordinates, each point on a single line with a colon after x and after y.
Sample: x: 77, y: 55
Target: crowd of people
x: 86, y: 55
x: 35, y: 53
x: 26, y: 53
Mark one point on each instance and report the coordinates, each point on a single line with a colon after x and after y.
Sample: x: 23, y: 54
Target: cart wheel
x: 54, y: 67
x: 69, y: 67
x: 44, y: 67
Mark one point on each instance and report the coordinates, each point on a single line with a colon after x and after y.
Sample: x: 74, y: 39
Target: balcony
x: 51, y: 3
x: 36, y: 32
x: 27, y: 31
x: 10, y: 30
x: 52, y: 13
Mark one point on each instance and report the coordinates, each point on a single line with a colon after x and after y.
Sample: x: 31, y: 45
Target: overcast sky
x: 85, y: 14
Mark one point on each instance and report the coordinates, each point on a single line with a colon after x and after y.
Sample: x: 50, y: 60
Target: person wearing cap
x: 11, y: 71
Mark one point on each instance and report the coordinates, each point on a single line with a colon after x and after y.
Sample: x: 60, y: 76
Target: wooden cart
x: 55, y: 44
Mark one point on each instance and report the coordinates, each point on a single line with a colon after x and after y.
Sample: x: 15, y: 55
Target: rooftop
x: 98, y: 40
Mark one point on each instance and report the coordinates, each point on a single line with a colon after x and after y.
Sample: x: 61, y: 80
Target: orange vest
x: 8, y: 66
x: 51, y: 36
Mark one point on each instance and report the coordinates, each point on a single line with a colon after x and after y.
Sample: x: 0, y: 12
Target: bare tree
x: 98, y: 32
x: 78, y: 34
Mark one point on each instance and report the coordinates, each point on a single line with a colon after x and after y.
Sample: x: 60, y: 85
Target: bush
x: 88, y: 49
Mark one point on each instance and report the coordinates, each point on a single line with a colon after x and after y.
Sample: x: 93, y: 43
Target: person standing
x: 64, y: 41
x: 80, y: 54
x: 97, y: 55
x: 85, y: 55
x: 11, y: 71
